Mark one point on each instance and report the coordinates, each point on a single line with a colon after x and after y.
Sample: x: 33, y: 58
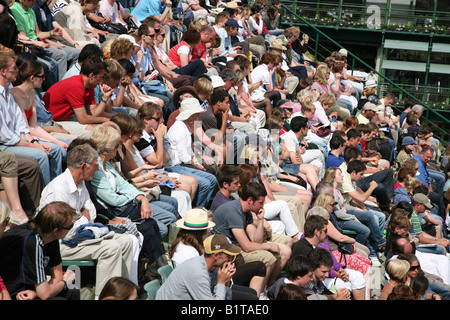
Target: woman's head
x: 326, y: 201
x: 192, y: 37
x: 119, y: 288
x: 106, y: 139
x: 322, y: 74
x: 121, y: 48
x: 30, y: 70
x: 397, y: 269
x: 333, y: 174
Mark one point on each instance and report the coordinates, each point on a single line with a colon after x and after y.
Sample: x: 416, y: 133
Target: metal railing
x: 389, y: 84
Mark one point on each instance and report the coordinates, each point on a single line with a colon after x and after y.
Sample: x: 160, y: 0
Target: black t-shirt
x: 24, y: 258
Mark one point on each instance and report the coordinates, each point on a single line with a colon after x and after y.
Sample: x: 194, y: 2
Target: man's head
x: 232, y: 27
x: 207, y: 33
x: 90, y: 52
x: 8, y: 68
x: 324, y: 262
x: 220, y: 99
x: 299, y: 125
x: 152, y: 115
x: 93, y: 71
x: 300, y: 270
x: 83, y: 159
x: 356, y: 170
x: 252, y: 196
x: 352, y: 153
x: 427, y: 154
x: 220, y: 249
x: 353, y: 137
x: 229, y: 77
x: 316, y: 228
x: 228, y: 177
x: 421, y: 203
x: 389, y: 99
x: 147, y: 34
x: 337, y: 143
x: 54, y: 220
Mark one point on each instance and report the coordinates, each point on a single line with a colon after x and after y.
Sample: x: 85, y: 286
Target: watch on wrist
x: 34, y: 140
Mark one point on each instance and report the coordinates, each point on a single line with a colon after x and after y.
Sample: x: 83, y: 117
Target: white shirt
x: 178, y: 144
x: 12, y: 122
x: 63, y: 188
x: 261, y: 72
x: 184, y: 253
x: 290, y: 140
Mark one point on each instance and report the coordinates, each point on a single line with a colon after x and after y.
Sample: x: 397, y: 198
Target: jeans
x: 195, y: 69
x: 439, y: 178
x: 51, y: 165
x: 206, y: 183
x: 165, y: 212
x: 65, y: 58
x: 374, y: 221
x: 443, y: 292
x: 385, y: 190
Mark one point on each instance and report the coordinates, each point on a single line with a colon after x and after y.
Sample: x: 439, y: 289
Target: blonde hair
x: 324, y: 199
x: 114, y: 69
x: 397, y: 269
x: 330, y: 174
x: 203, y: 86
x: 105, y: 138
x: 321, y: 74
x: 120, y: 48
x: 308, y: 106
x: 328, y: 99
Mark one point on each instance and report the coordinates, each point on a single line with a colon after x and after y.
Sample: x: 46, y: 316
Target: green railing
x: 388, y: 17
x: 389, y: 85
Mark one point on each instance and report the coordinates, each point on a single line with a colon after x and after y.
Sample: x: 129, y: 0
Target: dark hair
x: 350, y: 153
x: 401, y: 292
x: 299, y: 266
x: 118, y: 288
x: 89, y: 67
x: 298, y: 123
x: 143, y: 30
x: 290, y: 291
x: 356, y: 165
x: 422, y: 188
x: 353, y: 133
x: 312, y: 223
x: 191, y: 36
x: 336, y: 142
x: 321, y: 256
x: 253, y: 190
x: 55, y: 215
x: 27, y: 69
x: 419, y: 285
x: 227, y: 173
x: 218, y: 95
x: 90, y: 52
x: 127, y: 65
x: 8, y: 36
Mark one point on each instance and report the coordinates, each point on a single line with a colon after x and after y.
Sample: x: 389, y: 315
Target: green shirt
x: 26, y: 20
x: 415, y: 221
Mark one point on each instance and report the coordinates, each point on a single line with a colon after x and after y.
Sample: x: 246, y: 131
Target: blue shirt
x: 422, y: 173
x: 333, y: 161
x: 146, y: 8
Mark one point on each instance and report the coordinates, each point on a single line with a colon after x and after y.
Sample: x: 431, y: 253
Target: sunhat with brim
x: 195, y: 219
x: 218, y: 243
x: 180, y: 91
x: 277, y: 45
x: 217, y: 82
x: 188, y: 107
x: 129, y: 38
x: 370, y: 84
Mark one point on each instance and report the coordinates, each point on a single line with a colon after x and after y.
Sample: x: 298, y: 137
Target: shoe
x: 381, y: 246
x: 375, y: 262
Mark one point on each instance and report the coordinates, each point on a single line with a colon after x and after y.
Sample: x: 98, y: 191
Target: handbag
x: 344, y: 249
x: 154, y: 86
x: 257, y: 95
x: 323, y: 131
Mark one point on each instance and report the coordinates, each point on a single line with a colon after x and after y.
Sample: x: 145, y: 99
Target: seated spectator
x: 324, y: 262
x: 113, y: 255
x: 151, y: 146
x: 365, y: 224
x: 397, y: 270
x: 15, y: 135
x: 336, y: 155
x: 119, y: 196
x: 144, y: 9
x: 76, y: 109
x: 30, y: 77
x: 309, y: 162
x: 228, y: 180
x: 191, y: 280
x: 234, y: 219
x: 181, y: 157
x: 426, y: 174
x: 33, y: 242
x: 299, y: 272
x: 180, y: 55
x: 50, y: 50
x: 344, y: 96
x: 353, y: 274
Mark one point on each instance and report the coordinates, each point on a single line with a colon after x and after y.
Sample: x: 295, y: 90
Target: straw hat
x: 195, y: 219
x: 277, y: 45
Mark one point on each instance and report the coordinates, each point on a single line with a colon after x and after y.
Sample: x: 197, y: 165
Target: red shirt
x: 173, y: 53
x: 66, y: 95
x: 199, y: 52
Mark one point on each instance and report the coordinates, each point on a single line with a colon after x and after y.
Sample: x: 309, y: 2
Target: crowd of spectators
x: 204, y: 125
